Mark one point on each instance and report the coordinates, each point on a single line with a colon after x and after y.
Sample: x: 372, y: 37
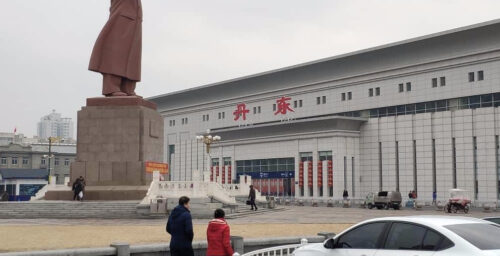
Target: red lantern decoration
x: 229, y: 178
x: 211, y: 173
x: 223, y: 174
x: 301, y: 174
x: 216, y: 172
x: 330, y: 173
x: 310, y: 174
x: 320, y: 173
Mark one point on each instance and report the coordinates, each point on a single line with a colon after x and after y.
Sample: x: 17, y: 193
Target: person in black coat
x: 180, y: 227
x: 251, y: 197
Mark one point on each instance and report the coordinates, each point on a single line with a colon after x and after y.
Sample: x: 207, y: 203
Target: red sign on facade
x: 224, y: 174
x: 229, y: 178
x: 241, y: 111
x: 283, y: 106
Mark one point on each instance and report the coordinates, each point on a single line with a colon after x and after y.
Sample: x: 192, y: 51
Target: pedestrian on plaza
x: 79, y: 190
x: 218, y: 236
x: 414, y: 194
x: 345, y: 195
x: 73, y: 187
x: 180, y: 227
x: 434, y: 197
x: 410, y: 195
x: 251, y: 197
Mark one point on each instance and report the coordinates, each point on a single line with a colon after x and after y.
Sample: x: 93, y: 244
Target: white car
x: 413, y: 236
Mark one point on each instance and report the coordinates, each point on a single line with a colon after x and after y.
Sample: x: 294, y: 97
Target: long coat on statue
x: 117, y: 50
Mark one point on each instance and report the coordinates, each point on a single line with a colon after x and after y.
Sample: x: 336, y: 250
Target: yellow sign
x: 156, y: 167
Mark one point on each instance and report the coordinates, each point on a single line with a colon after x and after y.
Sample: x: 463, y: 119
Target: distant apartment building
x: 53, y: 125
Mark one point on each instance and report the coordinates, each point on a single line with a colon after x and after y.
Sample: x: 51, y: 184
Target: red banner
x: 330, y: 173
x: 301, y: 174
x: 224, y: 174
x: 229, y: 178
x: 216, y: 172
x: 320, y: 174
x: 211, y: 173
x: 310, y: 174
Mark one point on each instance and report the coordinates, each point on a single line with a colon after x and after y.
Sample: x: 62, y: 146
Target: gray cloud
x: 45, y: 45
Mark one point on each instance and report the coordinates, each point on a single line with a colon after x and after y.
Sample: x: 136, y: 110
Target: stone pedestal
x: 115, y: 137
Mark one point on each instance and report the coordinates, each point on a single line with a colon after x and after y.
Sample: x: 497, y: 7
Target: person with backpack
x: 180, y: 227
x: 218, y: 236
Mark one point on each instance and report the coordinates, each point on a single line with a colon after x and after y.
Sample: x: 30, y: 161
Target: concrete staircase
x: 244, y: 211
x: 69, y: 210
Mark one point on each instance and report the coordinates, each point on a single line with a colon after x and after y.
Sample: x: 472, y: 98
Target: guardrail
x: 278, y: 250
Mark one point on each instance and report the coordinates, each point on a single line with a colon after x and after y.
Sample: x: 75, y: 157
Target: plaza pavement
x: 292, y: 214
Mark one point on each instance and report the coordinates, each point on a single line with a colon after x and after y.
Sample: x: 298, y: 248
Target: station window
x: 66, y: 161
x: 377, y: 91
x: 343, y: 96
x: 480, y: 75
x: 318, y: 100
x: 370, y: 92
x: 274, y: 107
x: 401, y: 88
x: 349, y: 95
x: 434, y: 82
x: 325, y: 155
x: 300, y: 103
x: 471, y: 76
x: 25, y: 160
x: 408, y: 87
x: 442, y: 81
x: 56, y: 161
x: 3, y: 160
x: 14, y: 160
x: 323, y: 99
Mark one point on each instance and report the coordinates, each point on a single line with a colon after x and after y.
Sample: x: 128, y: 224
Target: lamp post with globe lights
x: 208, y: 140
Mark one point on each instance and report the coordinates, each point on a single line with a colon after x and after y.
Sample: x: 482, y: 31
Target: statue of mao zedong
x: 117, y: 51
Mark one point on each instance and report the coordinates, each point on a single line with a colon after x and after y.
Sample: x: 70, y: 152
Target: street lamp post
x: 208, y: 140
x: 49, y: 156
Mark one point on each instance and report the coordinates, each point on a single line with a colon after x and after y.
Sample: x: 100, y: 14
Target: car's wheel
x: 466, y: 209
x: 396, y: 206
x: 370, y: 206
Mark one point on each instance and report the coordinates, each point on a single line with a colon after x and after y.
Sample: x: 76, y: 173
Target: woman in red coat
x: 218, y: 234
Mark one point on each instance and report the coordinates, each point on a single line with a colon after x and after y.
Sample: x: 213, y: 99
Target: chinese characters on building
x: 282, y: 107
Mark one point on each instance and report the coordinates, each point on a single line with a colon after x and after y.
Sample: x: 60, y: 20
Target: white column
x: 17, y: 187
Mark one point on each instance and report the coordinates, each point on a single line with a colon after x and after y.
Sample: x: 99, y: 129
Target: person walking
x: 180, y: 227
x: 434, y: 197
x: 218, y: 236
x: 345, y: 195
x: 251, y: 197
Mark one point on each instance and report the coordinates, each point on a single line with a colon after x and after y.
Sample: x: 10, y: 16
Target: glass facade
x: 265, y: 165
x: 471, y: 102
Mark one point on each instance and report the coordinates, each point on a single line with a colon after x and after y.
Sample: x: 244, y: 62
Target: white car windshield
x: 483, y: 236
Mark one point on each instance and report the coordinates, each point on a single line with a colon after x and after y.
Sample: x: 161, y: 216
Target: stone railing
x: 51, y: 187
x: 192, y: 189
x: 224, y: 193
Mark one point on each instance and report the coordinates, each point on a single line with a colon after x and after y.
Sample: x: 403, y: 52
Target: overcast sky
x: 45, y: 45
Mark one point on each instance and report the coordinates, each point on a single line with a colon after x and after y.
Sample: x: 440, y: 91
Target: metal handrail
x: 283, y: 250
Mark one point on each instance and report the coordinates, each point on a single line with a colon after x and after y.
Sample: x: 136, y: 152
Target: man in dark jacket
x: 251, y: 197
x: 180, y: 227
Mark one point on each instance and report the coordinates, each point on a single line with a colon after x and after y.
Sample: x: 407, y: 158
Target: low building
x: 36, y: 157
x: 22, y: 184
